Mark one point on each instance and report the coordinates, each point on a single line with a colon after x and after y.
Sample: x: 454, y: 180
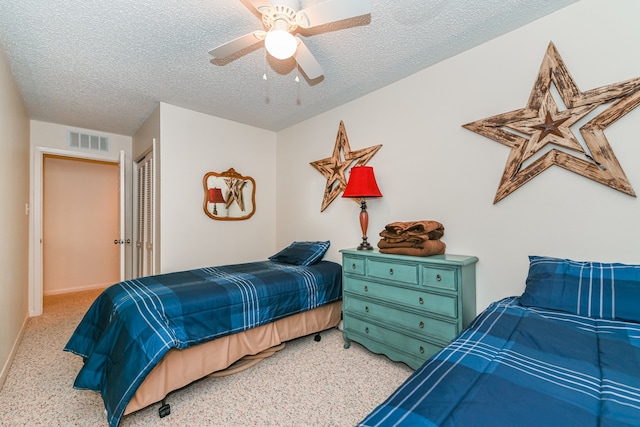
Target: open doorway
x: 80, y: 224
x: 36, y: 227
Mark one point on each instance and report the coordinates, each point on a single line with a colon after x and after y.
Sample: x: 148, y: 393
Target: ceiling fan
x: 281, y: 19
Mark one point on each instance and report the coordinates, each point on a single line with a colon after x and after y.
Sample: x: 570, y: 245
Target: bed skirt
x: 179, y: 368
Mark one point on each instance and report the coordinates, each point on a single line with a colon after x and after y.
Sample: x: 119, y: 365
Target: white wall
x: 142, y: 141
x: 431, y: 168
x: 55, y: 136
x: 14, y: 224
x: 193, y: 144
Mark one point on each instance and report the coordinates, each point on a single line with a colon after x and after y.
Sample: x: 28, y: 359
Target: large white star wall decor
x: 528, y: 130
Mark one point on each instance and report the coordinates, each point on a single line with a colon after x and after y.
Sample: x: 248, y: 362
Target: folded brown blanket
x: 433, y: 229
x: 410, y: 242
x: 431, y: 247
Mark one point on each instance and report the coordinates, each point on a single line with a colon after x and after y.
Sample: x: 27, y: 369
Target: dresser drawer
x: 422, y: 349
x: 396, y: 272
x: 415, y: 323
x: 443, y: 278
x: 352, y: 265
x: 445, y: 305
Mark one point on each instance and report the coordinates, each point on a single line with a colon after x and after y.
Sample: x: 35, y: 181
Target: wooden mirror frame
x: 235, y: 198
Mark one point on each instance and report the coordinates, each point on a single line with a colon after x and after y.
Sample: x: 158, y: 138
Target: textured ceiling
x: 105, y: 65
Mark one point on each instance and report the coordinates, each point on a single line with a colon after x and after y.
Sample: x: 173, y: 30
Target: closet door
x: 145, y: 221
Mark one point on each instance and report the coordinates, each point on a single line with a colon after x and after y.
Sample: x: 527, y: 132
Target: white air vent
x: 88, y: 141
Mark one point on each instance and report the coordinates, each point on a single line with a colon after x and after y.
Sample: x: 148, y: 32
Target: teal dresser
x: 406, y: 307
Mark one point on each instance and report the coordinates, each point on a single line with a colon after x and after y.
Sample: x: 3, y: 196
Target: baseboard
x: 77, y: 289
x: 12, y: 354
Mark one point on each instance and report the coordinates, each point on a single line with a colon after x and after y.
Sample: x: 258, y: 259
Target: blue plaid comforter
x: 132, y: 324
x: 517, y: 366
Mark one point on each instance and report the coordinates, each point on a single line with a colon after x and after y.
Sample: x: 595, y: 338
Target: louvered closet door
x: 145, y: 217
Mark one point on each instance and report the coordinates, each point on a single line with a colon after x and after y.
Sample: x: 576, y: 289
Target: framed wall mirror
x: 229, y: 196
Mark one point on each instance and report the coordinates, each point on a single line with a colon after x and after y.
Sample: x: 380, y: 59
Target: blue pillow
x: 301, y: 253
x: 592, y: 289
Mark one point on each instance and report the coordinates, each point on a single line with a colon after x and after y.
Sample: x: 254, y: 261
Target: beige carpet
x: 307, y: 384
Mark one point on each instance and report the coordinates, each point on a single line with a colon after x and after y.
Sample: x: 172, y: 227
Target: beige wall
x: 14, y: 225
x: 431, y: 168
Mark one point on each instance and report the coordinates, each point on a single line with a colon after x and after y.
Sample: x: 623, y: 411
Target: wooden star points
x: 334, y: 168
x: 545, y: 124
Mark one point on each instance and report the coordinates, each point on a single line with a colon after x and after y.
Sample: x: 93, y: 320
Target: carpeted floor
x: 307, y: 384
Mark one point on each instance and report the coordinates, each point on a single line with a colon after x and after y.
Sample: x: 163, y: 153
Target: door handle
x: 121, y: 242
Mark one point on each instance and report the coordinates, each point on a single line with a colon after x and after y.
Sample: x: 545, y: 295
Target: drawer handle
x: 438, y: 277
x: 421, y: 350
x: 366, y: 309
x: 353, y: 266
x: 391, y: 271
x: 366, y: 330
x: 420, y: 300
x: 421, y: 325
x: 366, y: 288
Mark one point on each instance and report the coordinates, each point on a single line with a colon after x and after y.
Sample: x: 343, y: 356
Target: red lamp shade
x: 362, y: 183
x: 215, y: 195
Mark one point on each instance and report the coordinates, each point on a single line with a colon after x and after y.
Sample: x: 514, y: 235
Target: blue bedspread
x: 517, y: 366
x: 132, y: 324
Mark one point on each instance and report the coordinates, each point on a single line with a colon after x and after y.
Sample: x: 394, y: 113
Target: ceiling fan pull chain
x: 298, y: 88
x: 265, y: 78
x: 264, y: 71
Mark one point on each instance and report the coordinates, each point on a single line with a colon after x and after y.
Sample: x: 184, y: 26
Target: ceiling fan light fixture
x: 279, y: 42
x: 281, y: 20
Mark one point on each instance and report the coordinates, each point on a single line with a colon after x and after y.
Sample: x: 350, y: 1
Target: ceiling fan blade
x: 258, y: 4
x: 331, y: 11
x: 307, y: 61
x: 237, y: 45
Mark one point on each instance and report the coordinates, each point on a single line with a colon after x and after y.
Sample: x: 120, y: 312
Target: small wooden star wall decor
x: 333, y: 168
x: 541, y: 122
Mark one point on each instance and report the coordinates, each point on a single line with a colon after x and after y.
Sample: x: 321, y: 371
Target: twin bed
x: 565, y: 353
x: 146, y: 337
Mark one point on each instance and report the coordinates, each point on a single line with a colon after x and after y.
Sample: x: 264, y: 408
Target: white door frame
x: 36, y: 273
x: 122, y: 200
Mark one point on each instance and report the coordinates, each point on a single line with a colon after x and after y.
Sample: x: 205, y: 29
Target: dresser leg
x: 347, y: 342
